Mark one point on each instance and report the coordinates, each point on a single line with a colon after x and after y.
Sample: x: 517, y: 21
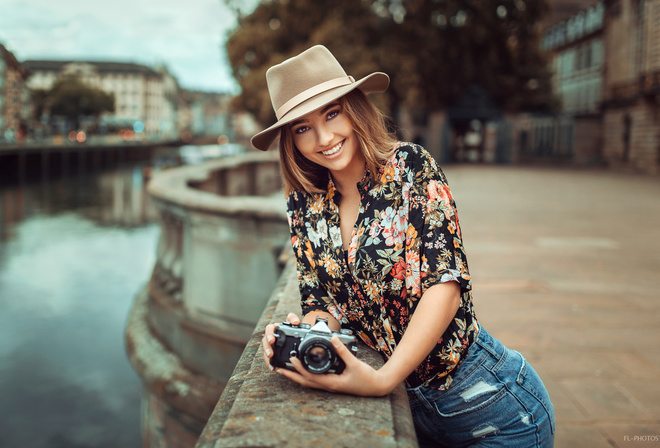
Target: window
x: 586, y: 55
x: 638, y: 37
x: 568, y: 63
x: 597, y: 53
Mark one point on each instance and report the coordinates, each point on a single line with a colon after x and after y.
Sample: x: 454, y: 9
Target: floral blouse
x: 405, y: 240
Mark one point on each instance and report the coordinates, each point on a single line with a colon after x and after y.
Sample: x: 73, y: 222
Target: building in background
x: 631, y: 93
x: 145, y: 98
x: 606, y: 60
x: 14, y: 98
x: 206, y: 115
x: 244, y: 126
x: 577, y: 47
x: 575, y: 41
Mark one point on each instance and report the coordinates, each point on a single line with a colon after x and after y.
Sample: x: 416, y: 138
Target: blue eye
x: 333, y: 114
x: 301, y: 129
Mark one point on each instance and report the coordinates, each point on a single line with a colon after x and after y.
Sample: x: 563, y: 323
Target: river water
x: 74, y: 252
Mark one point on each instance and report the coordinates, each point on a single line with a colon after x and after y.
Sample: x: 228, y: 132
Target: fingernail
x: 271, y: 368
x: 271, y: 339
x: 268, y: 352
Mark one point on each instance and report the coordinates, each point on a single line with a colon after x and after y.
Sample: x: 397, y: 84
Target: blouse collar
x: 332, y: 194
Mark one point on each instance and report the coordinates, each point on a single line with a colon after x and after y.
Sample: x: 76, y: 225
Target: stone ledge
x: 175, y: 187
x: 259, y: 408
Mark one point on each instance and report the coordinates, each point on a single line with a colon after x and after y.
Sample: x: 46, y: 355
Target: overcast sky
x: 186, y: 35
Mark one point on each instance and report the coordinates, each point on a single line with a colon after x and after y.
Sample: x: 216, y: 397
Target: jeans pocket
x: 476, y: 394
x: 531, y: 382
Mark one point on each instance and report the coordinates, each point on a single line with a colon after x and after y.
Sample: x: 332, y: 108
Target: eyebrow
x: 321, y: 112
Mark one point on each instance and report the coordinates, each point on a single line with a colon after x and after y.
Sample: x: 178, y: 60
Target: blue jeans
x: 495, y: 400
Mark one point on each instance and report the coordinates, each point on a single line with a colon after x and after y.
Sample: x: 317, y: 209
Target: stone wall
x: 260, y: 408
x: 632, y: 137
x: 223, y: 228
x: 588, y: 140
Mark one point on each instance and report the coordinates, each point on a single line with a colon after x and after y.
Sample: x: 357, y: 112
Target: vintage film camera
x: 311, y: 345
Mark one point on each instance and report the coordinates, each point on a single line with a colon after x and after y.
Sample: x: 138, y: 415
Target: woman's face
x: 326, y: 137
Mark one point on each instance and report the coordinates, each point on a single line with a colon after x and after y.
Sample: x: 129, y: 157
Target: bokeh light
x: 138, y: 127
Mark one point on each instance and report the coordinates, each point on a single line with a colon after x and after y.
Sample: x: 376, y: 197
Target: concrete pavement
x: 566, y: 269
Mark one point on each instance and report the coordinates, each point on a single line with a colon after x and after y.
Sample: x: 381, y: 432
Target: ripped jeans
x: 495, y: 400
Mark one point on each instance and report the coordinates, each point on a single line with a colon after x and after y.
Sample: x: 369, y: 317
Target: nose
x: 324, y: 135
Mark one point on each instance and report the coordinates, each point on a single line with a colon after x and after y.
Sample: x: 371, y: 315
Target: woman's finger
x: 293, y: 318
x: 268, y: 348
x: 267, y: 343
x: 342, y: 351
x: 303, y: 377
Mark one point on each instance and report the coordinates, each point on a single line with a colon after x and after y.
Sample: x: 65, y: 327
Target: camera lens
x: 317, y: 355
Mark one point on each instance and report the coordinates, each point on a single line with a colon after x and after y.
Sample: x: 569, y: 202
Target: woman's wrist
x: 310, y: 318
x: 385, y: 383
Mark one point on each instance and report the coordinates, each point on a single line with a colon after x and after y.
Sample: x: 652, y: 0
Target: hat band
x: 312, y: 91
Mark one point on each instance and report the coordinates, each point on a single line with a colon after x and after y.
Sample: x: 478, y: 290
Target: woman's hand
x: 358, y: 378
x: 433, y: 314
x: 310, y: 318
x: 269, y: 338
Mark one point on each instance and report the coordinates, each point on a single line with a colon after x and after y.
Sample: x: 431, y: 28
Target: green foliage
x: 432, y: 49
x: 40, y: 102
x: 73, y: 99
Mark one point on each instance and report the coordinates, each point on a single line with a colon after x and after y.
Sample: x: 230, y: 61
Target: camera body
x: 311, y: 345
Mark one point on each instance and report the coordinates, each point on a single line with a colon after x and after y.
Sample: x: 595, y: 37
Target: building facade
x: 206, y: 114
x: 14, y: 98
x: 142, y: 94
x: 606, y: 60
x: 631, y: 94
x: 575, y: 42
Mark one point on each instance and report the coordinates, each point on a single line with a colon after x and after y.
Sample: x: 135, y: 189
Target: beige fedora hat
x: 307, y: 82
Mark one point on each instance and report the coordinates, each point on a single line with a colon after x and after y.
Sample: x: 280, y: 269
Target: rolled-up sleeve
x: 435, y: 243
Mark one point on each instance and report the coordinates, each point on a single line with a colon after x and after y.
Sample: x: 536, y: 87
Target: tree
x: 39, y: 99
x: 276, y: 30
x: 72, y: 99
x: 433, y: 50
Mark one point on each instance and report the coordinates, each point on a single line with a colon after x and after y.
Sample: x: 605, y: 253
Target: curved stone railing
x: 262, y: 409
x: 223, y: 227
x: 195, y: 329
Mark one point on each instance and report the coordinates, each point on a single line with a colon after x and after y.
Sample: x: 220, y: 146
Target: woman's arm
x: 433, y: 314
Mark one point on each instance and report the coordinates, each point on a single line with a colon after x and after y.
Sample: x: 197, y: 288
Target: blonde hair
x: 375, y: 144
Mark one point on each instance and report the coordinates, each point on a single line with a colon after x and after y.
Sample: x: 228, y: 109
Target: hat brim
x: 375, y: 82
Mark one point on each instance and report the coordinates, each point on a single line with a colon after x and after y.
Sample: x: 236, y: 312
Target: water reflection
x: 73, y: 254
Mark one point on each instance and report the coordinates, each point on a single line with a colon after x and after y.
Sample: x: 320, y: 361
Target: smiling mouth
x: 334, y: 150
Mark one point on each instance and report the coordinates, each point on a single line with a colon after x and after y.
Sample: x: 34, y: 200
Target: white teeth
x: 332, y: 151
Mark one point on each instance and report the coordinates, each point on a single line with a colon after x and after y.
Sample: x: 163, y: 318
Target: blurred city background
x: 97, y: 99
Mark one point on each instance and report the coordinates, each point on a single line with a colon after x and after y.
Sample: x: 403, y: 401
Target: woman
x: 379, y: 250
